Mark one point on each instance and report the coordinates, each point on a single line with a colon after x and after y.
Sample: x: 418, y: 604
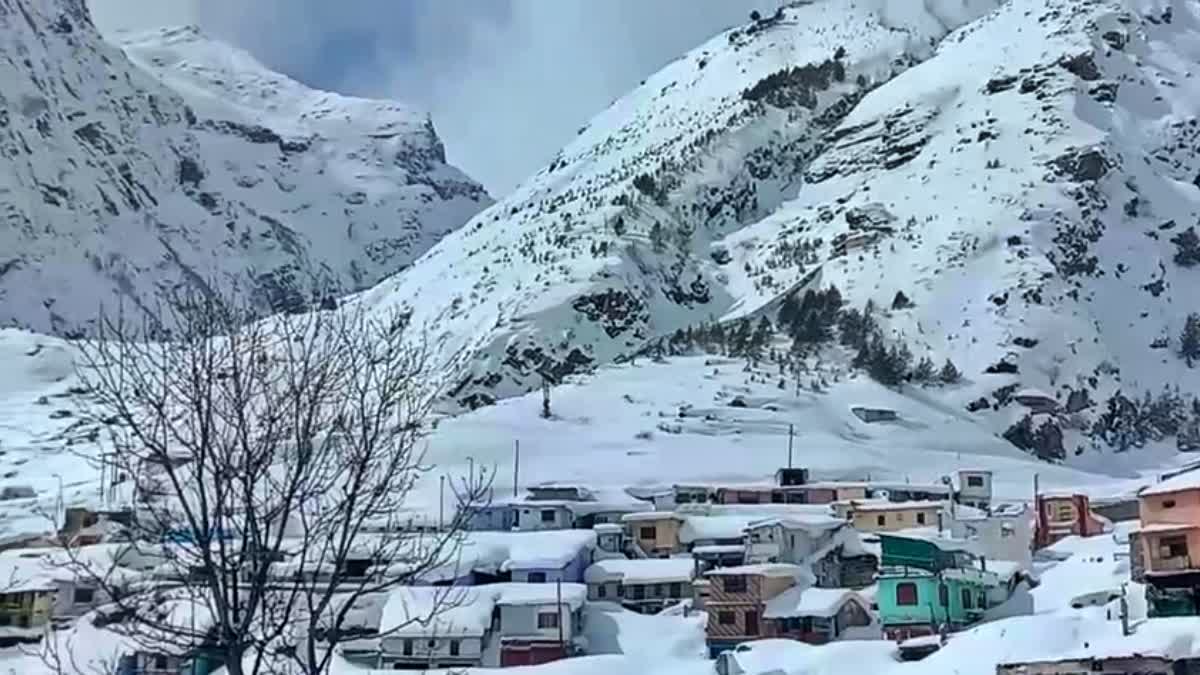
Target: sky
x: 508, y: 82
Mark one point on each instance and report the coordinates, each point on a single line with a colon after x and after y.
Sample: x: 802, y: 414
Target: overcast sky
x: 507, y: 81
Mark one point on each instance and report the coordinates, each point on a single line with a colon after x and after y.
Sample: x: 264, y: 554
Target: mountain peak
x: 181, y: 160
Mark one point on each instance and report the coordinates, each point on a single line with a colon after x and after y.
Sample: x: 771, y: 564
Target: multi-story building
x: 1165, y: 550
x: 930, y: 584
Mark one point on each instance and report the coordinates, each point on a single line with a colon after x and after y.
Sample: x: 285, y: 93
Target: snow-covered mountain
x: 1017, y: 169
x: 182, y: 160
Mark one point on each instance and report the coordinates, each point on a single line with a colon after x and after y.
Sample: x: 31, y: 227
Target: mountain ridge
x: 180, y: 161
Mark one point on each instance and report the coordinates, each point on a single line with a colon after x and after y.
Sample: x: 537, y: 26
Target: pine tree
x: 762, y: 335
x: 949, y: 373
x: 901, y: 301
x: 1021, y: 434
x: 1118, y: 425
x: 851, y: 329
x: 683, y: 235
x: 1189, y: 340
x: 1187, y: 245
x: 789, y: 309
x: 619, y: 226
x: 1048, y: 442
x: 657, y: 238
x: 925, y: 370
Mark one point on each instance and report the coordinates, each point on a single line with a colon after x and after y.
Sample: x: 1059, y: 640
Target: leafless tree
x: 268, y: 463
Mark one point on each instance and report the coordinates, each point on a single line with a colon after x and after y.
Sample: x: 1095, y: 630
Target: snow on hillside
x: 183, y: 160
x: 1018, y: 170
x: 562, y: 274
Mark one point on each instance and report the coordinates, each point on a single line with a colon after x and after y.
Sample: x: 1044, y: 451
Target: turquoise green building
x: 926, y: 584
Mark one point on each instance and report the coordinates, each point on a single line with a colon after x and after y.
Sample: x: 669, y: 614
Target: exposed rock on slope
x: 1018, y: 170
x: 118, y: 181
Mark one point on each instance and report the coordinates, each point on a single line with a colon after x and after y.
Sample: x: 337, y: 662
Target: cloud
x: 508, y: 81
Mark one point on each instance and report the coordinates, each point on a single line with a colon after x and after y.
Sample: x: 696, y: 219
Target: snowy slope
x: 562, y: 274
x: 1017, y: 169
x: 182, y: 160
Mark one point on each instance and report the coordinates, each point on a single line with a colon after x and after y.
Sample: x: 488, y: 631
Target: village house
x: 974, y: 488
x: 551, y: 507
x: 1141, y: 664
x: 528, y: 557
x: 909, y: 492
x: 654, y: 533
x: 877, y: 515
x: 497, y: 625
x: 828, y: 545
x: 1165, y: 549
x: 1151, y: 648
x: 928, y: 583
x: 1062, y: 515
x: 643, y: 585
x: 1003, y: 533
x: 737, y: 598
x: 820, y: 615
x: 610, y: 540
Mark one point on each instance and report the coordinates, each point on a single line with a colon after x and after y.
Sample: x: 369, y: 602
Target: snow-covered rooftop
x: 466, y: 611
x: 699, y: 528
x: 762, y: 570
x: 641, y: 571
x: 820, y: 602
x: 801, y: 522
x: 1189, y: 480
x: 649, y: 515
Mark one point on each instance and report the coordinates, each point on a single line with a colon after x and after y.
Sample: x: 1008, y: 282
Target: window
x: 649, y: 532
x: 620, y: 591
x: 982, y: 602
x: 727, y: 618
x: 734, y: 584
x: 676, y: 590
x: 637, y: 592
x: 454, y: 647
x: 906, y: 594
x: 160, y: 661
x: 966, y: 598
x: 1064, y: 511
x: 1168, y: 503
x: 943, y: 595
x: 1173, y: 547
x: 408, y: 647
x: 881, y: 520
x: 548, y: 620
x: 547, y: 515
x: 659, y: 590
x: 602, y: 591
x: 431, y: 644
x: 84, y: 596
x: 920, y: 518
x: 975, y: 481
x: 536, y: 577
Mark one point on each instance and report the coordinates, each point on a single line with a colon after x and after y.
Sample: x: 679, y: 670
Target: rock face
x: 177, y: 160
x: 1022, y: 195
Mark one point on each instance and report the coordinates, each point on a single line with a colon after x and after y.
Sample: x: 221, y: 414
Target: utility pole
x: 442, y: 504
x: 562, y: 645
x: 545, y: 397
x: 516, y: 464
x: 791, y: 435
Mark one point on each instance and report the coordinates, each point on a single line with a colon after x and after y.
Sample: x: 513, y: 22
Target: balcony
x: 763, y: 551
x: 1177, y: 563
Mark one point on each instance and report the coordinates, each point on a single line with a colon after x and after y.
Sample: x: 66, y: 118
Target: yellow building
x: 885, y: 516
x: 655, y: 532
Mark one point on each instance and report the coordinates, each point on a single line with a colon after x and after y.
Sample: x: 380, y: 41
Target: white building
x: 1006, y: 533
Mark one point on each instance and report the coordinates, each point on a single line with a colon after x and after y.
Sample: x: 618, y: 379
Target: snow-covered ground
x: 641, y: 424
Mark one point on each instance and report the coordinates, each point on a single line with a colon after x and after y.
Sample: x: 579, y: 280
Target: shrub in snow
x: 1187, y: 251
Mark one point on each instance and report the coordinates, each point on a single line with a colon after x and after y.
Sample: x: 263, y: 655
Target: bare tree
x: 268, y: 463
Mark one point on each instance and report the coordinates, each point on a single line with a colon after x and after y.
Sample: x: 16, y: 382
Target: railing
x: 1173, y: 564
